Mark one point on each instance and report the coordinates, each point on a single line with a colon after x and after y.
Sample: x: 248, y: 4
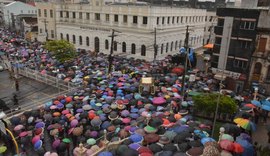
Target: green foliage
x: 207, y: 103
x: 62, y: 50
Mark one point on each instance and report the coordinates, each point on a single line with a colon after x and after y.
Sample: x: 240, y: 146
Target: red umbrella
x: 226, y: 145
x: 178, y: 70
x: 238, y: 148
x: 250, y: 105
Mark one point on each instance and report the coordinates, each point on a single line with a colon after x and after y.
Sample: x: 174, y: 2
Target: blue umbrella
x: 38, y: 145
x: 265, y: 102
x: 266, y: 107
x: 180, y: 129
x: 207, y: 139
x: 256, y: 103
x: 248, y: 147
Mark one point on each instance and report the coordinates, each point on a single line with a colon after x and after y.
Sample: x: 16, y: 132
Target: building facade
x: 234, y: 45
x: 89, y: 27
x: 14, y: 9
x: 260, y: 67
x: 210, y: 23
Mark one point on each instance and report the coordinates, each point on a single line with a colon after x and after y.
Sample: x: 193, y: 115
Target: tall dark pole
x: 186, y: 60
x: 155, y: 45
x: 110, y: 59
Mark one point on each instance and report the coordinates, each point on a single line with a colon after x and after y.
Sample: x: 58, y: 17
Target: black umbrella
x: 35, y: 113
x: 15, y: 120
x: 121, y: 149
x: 232, y: 129
x: 179, y: 154
x: 170, y: 147
x: 183, y: 147
x: 243, y: 114
x: 180, y: 138
x: 155, y: 122
x: 155, y: 148
x: 130, y: 152
x: 195, y: 143
x: 62, y: 147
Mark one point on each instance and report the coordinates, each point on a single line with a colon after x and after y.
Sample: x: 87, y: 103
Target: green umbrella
x: 227, y: 137
x: 3, y: 149
x: 91, y: 141
x: 66, y: 140
x: 69, y: 105
x: 194, y: 93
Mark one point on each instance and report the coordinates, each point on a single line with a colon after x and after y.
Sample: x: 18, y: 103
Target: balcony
x: 243, y: 33
x: 218, y: 30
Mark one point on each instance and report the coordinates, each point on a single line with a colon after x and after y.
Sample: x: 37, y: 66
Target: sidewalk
x: 260, y: 135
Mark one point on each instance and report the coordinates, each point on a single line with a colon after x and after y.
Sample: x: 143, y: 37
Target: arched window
x: 67, y: 36
x: 161, y: 49
x: 87, y: 41
x: 115, y: 46
x: 74, y: 39
x: 176, y: 45
x: 96, y: 44
x: 257, y: 68
x: 167, y: 47
x: 124, y: 47
x: 143, y: 50
x: 80, y: 40
x: 61, y: 36
x: 268, y: 73
x: 133, y: 48
x: 180, y: 44
x: 106, y: 44
x: 172, y: 46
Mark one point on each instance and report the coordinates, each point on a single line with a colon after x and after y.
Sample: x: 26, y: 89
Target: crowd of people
x: 115, y: 114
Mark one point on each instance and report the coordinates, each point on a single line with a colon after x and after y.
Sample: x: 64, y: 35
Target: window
x: 125, y: 19
x: 144, y: 20
x: 22, y: 11
x: 115, y: 18
x: 74, y: 39
x: 61, y: 36
x: 73, y: 14
x: 268, y: 73
x: 124, y: 47
x: 181, y: 19
x: 107, y: 17
x: 52, y: 33
x: 39, y: 12
x: 115, y: 46
x: 106, y: 44
x: 80, y: 15
x: 87, y: 41
x: 61, y: 14
x: 67, y: 14
x: 167, y: 47
x: 247, y: 25
x: 67, y: 36
x: 40, y: 31
x: 133, y: 48
x: 180, y: 44
x: 218, y: 40
x: 240, y: 64
x: 172, y: 20
x: 262, y: 44
x: 177, y: 19
x: 163, y: 20
x: 51, y: 13
x: 80, y: 40
x: 87, y: 16
x: 143, y: 50
x: 135, y: 19
x: 157, y: 20
x: 245, y: 44
x: 172, y: 46
x: 97, y: 16
x: 161, y: 49
x: 176, y: 45
x: 45, y: 13
x: 168, y: 20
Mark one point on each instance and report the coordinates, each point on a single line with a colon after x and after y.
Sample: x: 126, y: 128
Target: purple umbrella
x: 40, y: 125
x: 74, y: 123
x: 38, y: 145
x: 56, y: 143
x: 158, y: 100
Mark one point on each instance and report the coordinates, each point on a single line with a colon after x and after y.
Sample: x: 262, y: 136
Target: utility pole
x: 110, y: 58
x: 186, y: 60
x: 155, y: 45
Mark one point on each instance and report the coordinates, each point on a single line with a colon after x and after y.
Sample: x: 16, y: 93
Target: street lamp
x: 256, y: 89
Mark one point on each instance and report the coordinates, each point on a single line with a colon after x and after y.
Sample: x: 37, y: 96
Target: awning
x: 209, y: 46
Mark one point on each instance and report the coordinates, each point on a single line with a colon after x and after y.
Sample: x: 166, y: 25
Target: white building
x: 89, y: 27
x: 13, y: 9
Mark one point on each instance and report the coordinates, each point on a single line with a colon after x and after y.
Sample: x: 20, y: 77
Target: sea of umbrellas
x: 109, y: 116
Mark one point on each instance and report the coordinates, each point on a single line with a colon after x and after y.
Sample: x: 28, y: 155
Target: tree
x: 207, y: 103
x: 62, y: 50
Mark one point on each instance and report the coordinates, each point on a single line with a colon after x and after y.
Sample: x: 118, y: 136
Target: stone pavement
x: 260, y: 135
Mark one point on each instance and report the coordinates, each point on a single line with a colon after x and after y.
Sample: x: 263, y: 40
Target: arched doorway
x: 257, y: 71
x: 96, y: 44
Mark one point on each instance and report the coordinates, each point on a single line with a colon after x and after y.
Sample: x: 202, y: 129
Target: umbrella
x: 151, y: 138
x: 170, y: 134
x: 23, y: 134
x: 56, y: 143
x: 193, y: 93
x: 178, y: 70
x: 18, y: 127
x: 238, y: 148
x: 227, y: 137
x: 245, y: 123
x: 3, y: 149
x: 195, y: 151
x: 40, y: 125
x: 38, y: 145
x: 207, y: 139
x: 15, y: 120
x: 77, y: 131
x: 250, y: 105
x: 210, y: 151
x: 66, y: 140
x: 231, y: 129
x: 35, y: 139
x: 266, y: 107
x: 91, y: 141
x: 256, y: 103
x: 62, y: 147
x: 158, y: 100
x: 226, y: 145
x: 50, y: 154
x: 248, y: 147
x: 74, y: 123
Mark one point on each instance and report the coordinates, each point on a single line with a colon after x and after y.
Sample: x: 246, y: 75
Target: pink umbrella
x: 158, y: 100
x: 74, y: 123
x: 126, y: 120
x: 23, y: 134
x: 50, y: 154
x: 18, y: 127
x: 65, y: 112
x: 35, y: 139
